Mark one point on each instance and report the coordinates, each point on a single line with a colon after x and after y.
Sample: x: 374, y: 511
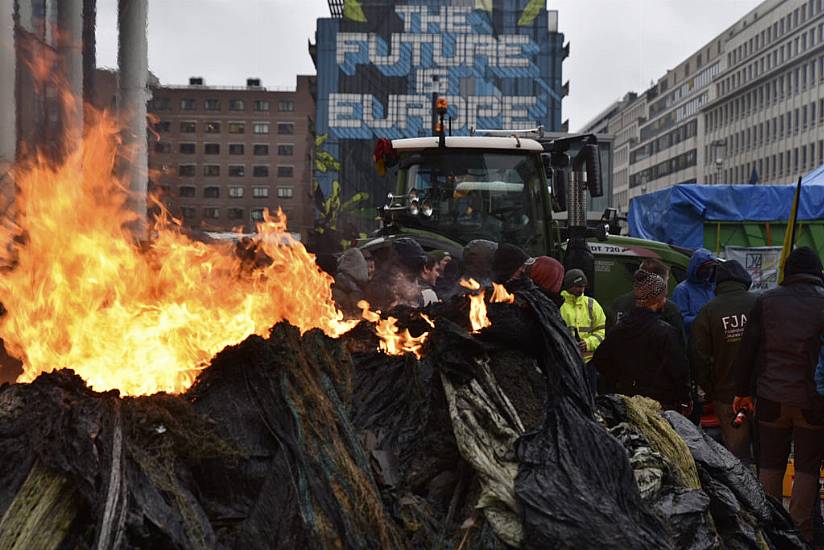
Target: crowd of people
x: 755, y: 360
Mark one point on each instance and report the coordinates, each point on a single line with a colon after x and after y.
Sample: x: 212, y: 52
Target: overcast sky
x: 616, y: 45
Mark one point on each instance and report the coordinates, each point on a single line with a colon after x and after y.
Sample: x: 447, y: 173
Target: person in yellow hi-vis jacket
x: 583, y: 314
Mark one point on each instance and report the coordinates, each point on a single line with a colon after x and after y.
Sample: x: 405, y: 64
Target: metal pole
x: 8, y: 106
x: 70, y: 56
x: 133, y: 62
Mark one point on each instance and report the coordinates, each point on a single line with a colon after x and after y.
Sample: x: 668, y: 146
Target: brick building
x: 220, y: 155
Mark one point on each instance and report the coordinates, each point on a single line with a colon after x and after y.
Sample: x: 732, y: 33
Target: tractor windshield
x: 470, y: 194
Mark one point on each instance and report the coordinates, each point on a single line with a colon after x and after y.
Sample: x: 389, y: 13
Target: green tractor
x: 453, y: 189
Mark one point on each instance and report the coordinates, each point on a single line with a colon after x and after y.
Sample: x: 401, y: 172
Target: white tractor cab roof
x: 468, y: 142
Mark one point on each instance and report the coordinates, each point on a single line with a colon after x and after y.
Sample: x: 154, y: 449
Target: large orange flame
x: 477, y: 306
x: 81, y: 294
x: 501, y: 295
x: 391, y: 340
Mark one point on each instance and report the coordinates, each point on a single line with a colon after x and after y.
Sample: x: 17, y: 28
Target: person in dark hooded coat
x: 716, y: 338
x: 643, y: 355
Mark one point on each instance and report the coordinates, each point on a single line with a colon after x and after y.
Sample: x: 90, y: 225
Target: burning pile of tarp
x: 489, y: 440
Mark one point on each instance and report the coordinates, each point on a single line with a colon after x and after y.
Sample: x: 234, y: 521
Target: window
x: 211, y: 148
x: 260, y: 127
x: 188, y: 127
x: 211, y: 192
x: 187, y: 148
x: 286, y: 128
x: 211, y: 213
x: 187, y: 104
x: 286, y: 192
x: 234, y: 213
x: 260, y: 171
x: 212, y: 105
x: 260, y: 149
x: 260, y: 192
x: 211, y: 170
x: 286, y: 171
x: 235, y: 148
x: 163, y: 126
x: 186, y: 191
x: 161, y: 104
x: 237, y: 128
x: 162, y: 147
x: 186, y: 170
x: 236, y: 192
x: 286, y: 106
x: 213, y: 127
x: 286, y: 150
x: 236, y: 105
x: 237, y: 170
x: 187, y: 212
x: 257, y: 214
x: 261, y: 105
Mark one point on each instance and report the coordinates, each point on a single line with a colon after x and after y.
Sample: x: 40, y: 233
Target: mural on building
x: 498, y: 62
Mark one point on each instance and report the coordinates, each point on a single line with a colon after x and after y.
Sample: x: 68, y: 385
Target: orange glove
x: 743, y: 403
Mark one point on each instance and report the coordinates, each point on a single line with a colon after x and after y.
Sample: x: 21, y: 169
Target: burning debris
x: 291, y: 438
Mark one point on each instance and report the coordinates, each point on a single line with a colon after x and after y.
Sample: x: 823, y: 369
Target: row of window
x: 255, y: 214
x: 258, y: 128
x: 234, y: 170
x: 258, y: 149
x: 756, y: 100
x: 684, y: 90
x: 781, y: 166
x: 771, y: 60
x: 775, y: 31
x: 669, y: 166
x: 673, y: 118
x: 664, y: 142
x: 235, y: 192
x: 790, y: 123
x: 212, y: 104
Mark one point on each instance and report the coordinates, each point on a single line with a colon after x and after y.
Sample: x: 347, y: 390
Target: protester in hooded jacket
x: 582, y: 314
x: 776, y: 364
x: 624, y: 303
x: 548, y: 274
x: 508, y: 262
x: 643, y: 355
x: 715, y: 339
x: 350, y: 280
x: 477, y: 260
x: 699, y: 287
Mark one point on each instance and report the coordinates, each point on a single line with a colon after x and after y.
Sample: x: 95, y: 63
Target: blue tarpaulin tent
x: 677, y: 215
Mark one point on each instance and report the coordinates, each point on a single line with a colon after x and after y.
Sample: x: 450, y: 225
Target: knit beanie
x: 547, y: 273
x: 803, y: 260
x: 574, y: 277
x: 648, y: 287
x: 507, y: 259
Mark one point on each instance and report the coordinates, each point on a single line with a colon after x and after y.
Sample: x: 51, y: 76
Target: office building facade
x: 380, y: 63
x: 745, y: 108
x: 220, y: 155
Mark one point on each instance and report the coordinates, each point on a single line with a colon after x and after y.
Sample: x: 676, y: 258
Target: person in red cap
x: 548, y: 274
